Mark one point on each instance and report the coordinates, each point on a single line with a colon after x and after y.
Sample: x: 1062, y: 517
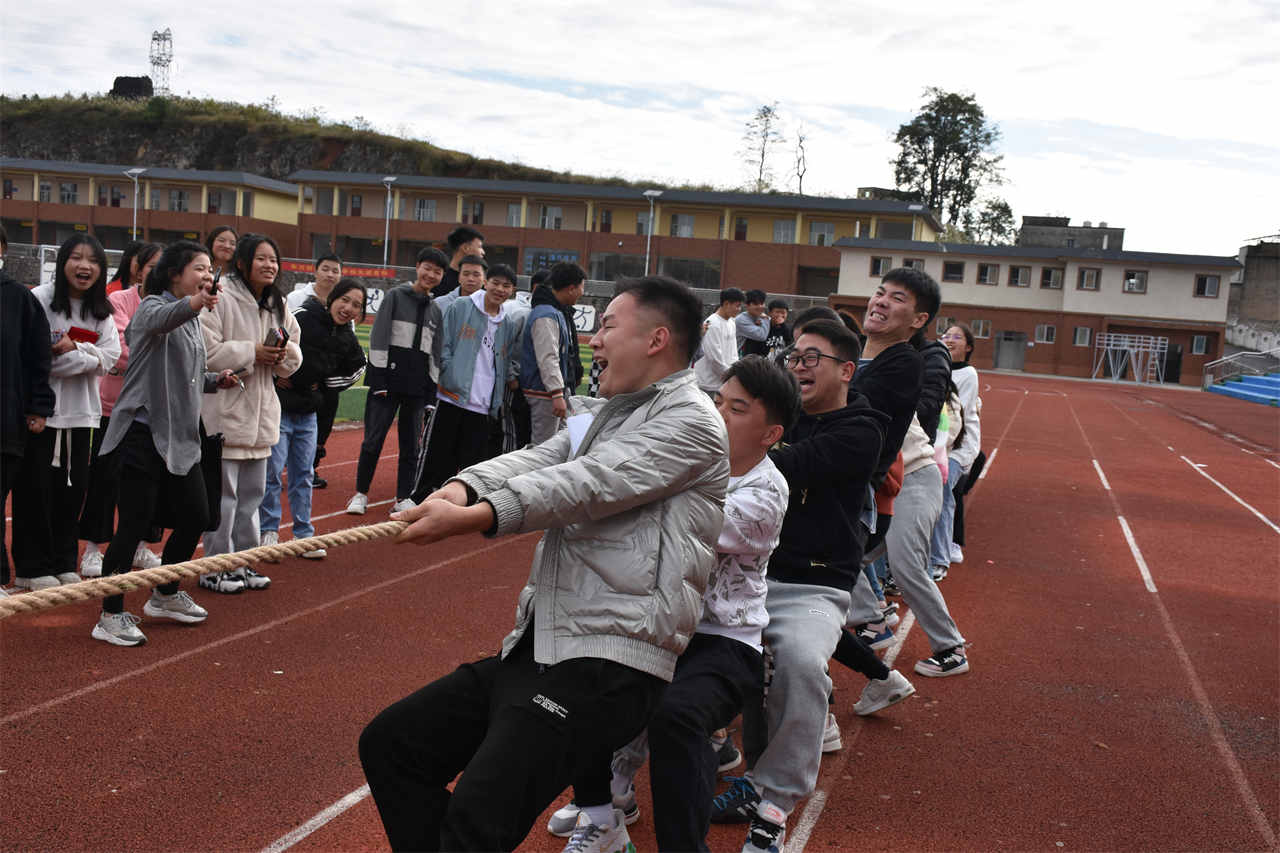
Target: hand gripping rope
x: 47, y: 599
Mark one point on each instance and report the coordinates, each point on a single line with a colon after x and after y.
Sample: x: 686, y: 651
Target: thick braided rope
x: 47, y: 599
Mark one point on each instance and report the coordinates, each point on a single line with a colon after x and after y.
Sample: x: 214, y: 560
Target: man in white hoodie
x: 719, y: 342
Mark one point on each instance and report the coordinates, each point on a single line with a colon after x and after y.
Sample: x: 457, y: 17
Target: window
x: 246, y: 202
x: 1046, y: 333
x: 1207, y: 285
x: 682, y: 225
x: 1071, y: 242
x: 424, y: 210
x: 606, y: 221
x: 1199, y: 344
x: 988, y: 273
x: 10, y: 189
x: 551, y: 217
x: 1051, y: 278
x: 46, y: 192
x: 179, y: 200
x: 608, y: 266
x: 68, y: 193
x: 642, y: 222
x: 822, y: 233
x: 102, y: 194
x: 513, y: 215
x: 913, y: 263
x: 1083, y: 335
x: 117, y: 197
x: 740, y: 228
x: 953, y: 270
x: 886, y: 230
x: 1135, y: 281
x: 1019, y: 276
x: 695, y: 271
x: 784, y: 230
x: 980, y: 328
x: 543, y: 259
x: 155, y: 200
x: 357, y: 204
x: 476, y: 213
x: 880, y: 266
x: 1089, y: 277
x: 943, y: 323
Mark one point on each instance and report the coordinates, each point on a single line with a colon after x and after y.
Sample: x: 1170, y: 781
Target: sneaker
x: 91, y: 562
x: 939, y: 572
x: 727, y: 756
x: 891, y: 617
x: 831, y: 741
x: 738, y: 803
x: 318, y: 482
x: 119, y: 629
x: 145, y: 558
x: 67, y: 577
x: 317, y: 554
x: 252, y: 579
x: 957, y: 554
x: 41, y: 582
x: 269, y: 537
x: 878, y: 695
x: 768, y: 830
x: 589, y: 838
x: 564, y: 820
x: 401, y: 506
x: 947, y: 662
x: 226, y: 583
x: 877, y: 635
x: 179, y: 607
x: 889, y: 587
x: 358, y: 504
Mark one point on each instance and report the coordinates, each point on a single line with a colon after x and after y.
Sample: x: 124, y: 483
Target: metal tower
x: 161, y: 57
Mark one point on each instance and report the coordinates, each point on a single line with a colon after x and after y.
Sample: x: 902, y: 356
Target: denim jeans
x: 941, y: 544
x: 295, y: 450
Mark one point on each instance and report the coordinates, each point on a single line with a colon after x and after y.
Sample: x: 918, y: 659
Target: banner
x: 358, y: 272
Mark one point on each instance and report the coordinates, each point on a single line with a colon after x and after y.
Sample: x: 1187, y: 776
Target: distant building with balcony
x: 1057, y: 232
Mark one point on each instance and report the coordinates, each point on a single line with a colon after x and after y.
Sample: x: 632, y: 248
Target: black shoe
x: 889, y: 587
x: 727, y: 756
x: 318, y: 482
x: 737, y: 804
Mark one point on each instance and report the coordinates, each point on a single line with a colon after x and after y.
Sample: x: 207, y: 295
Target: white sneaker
x: 589, y: 838
x: 878, y: 695
x: 178, y: 607
x: 565, y: 819
x: 317, y: 554
x: 957, y: 555
x: 119, y: 629
x: 401, y: 506
x: 831, y: 741
x: 67, y: 578
x: 226, y: 583
x: 41, y: 582
x: 252, y: 579
x: 358, y: 504
x: 144, y: 558
x: 270, y: 537
x: 91, y: 562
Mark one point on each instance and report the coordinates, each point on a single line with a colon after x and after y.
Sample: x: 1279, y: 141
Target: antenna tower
x: 161, y: 57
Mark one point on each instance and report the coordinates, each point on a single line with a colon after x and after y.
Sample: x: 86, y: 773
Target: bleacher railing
x: 1241, y: 364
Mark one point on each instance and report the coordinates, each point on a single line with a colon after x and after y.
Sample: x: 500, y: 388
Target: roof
x: 203, y: 176
x: 631, y: 194
x: 1034, y: 252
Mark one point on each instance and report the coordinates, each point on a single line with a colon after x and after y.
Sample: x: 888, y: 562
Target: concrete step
x: 1237, y: 390
x: 1264, y: 383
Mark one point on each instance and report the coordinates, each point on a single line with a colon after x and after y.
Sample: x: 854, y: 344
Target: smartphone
x: 276, y: 337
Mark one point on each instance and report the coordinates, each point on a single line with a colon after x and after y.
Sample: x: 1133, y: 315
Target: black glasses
x: 809, y: 358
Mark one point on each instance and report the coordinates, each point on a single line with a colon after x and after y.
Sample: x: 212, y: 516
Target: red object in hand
x: 82, y: 336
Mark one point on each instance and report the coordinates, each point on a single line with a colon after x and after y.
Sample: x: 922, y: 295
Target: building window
x: 822, y: 233
x: 1088, y: 279
x: 155, y: 201
x: 424, y: 209
x: 1083, y: 335
x: 10, y: 189
x: 880, y: 266
x: 1135, y: 281
x: 476, y: 214
x: 551, y: 217
x: 117, y: 197
x: 68, y: 193
x: 102, y: 194
x: 1051, y: 278
x: 696, y: 271
x: 606, y: 221
x: 1019, y: 276
x: 1046, y: 333
x: 740, y: 228
x: 513, y: 215
x: 608, y: 266
x: 980, y: 328
x: 953, y: 270
x: 642, y: 222
x: 887, y: 230
x: 784, y: 230
x: 357, y: 205
x: 1071, y: 242
x: 179, y: 201
x: 246, y: 202
x: 943, y: 323
x: 988, y: 273
x: 682, y: 225
x: 1207, y: 285
x: 913, y: 263
x: 1199, y: 344
x: 46, y: 192
x: 544, y: 259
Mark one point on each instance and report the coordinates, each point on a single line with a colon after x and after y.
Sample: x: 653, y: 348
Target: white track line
x: 1259, y: 455
x: 286, y: 841
x: 1200, y: 470
x: 991, y: 460
x: 1101, y: 476
x: 1137, y: 555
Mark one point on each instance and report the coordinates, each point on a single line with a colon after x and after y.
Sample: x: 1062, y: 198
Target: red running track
x: 1099, y: 715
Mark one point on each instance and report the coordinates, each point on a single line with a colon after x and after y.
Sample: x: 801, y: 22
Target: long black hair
x: 213, y: 235
x: 271, y: 298
x: 142, y: 252
x: 173, y: 260
x: 94, y: 302
x: 346, y: 285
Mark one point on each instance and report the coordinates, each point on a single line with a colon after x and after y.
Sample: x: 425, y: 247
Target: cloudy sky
x: 1163, y: 118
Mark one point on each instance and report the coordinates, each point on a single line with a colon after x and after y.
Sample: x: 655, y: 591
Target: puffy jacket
x: 632, y: 521
x: 965, y: 378
x: 331, y: 360
x: 248, y: 419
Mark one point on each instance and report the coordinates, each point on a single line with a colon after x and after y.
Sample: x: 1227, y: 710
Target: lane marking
x: 1199, y: 469
x: 286, y: 841
x: 1137, y: 555
x: 1259, y: 455
x: 353, y: 462
x: 1101, y: 476
x: 991, y: 461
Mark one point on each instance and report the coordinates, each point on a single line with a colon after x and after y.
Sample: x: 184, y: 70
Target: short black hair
x: 810, y: 315
x: 94, y: 302
x: 778, y: 303
x: 432, y: 255
x: 329, y: 257
x: 843, y: 341
x: 564, y: 274
x: 175, y: 258
x: 756, y: 297
x: 461, y: 235
x: 501, y: 271
x: 731, y: 294
x: 922, y: 286
x: 475, y: 260
x: 775, y: 388
x: 675, y: 301
x: 538, y: 277
x: 345, y: 285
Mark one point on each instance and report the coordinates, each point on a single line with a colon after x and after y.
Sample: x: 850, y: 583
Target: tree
x: 760, y: 136
x: 802, y: 164
x: 992, y: 224
x: 946, y: 153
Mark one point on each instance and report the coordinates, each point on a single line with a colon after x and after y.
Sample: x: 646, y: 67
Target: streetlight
x: 386, y: 220
x: 132, y: 174
x: 651, y: 195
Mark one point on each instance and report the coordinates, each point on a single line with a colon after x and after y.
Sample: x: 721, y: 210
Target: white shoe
x: 957, y: 555
x: 91, y: 562
x: 401, y: 506
x: 178, y: 607
x: 144, y: 558
x: 270, y: 537
x: 226, y: 583
x: 119, y: 629
x: 831, y: 741
x: 41, y: 582
x: 67, y: 578
x: 317, y: 554
x: 358, y: 504
x: 589, y: 838
x: 878, y: 695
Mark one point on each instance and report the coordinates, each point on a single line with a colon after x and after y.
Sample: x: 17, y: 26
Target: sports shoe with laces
x: 565, y: 818
x: 401, y: 506
x: 144, y: 558
x: 67, y: 578
x: 890, y: 587
x: 179, y: 607
x: 318, y: 482
x: 41, y: 582
x: 358, y: 504
x: 91, y: 562
x: 939, y: 572
x: 768, y: 830
x: 877, y: 635
x: 224, y: 582
x: 946, y: 662
x: 727, y: 756
x: 738, y: 803
x: 589, y: 838
x: 119, y: 629
x: 252, y: 580
x: 880, y: 694
x: 957, y: 553
x: 270, y: 537
x: 831, y: 741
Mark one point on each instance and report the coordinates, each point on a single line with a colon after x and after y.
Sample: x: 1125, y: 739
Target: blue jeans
x: 941, y: 544
x: 296, y: 449
x: 874, y: 572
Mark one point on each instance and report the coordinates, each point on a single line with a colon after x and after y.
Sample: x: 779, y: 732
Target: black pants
x: 98, y: 518
x: 324, y: 423
x: 47, y: 502
x: 517, y: 731
x: 379, y: 412
x: 146, y: 483
x: 957, y: 530
x: 713, y: 678
x: 455, y: 439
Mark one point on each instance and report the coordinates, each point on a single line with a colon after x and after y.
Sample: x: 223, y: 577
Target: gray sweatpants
x: 244, y: 481
x: 543, y: 421
x: 915, y: 512
x: 804, y: 625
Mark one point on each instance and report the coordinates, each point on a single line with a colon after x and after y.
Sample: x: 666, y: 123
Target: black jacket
x: 828, y: 460
x: 933, y: 388
x: 331, y: 360
x: 25, y: 355
x: 448, y: 284
x: 891, y: 384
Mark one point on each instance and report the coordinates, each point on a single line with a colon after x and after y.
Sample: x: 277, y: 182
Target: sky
x: 1163, y: 119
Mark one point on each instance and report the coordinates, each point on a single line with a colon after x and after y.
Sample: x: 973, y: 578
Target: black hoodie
x: 25, y: 355
x: 891, y: 384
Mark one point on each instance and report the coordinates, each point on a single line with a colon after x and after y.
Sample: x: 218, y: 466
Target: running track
x: 1099, y: 715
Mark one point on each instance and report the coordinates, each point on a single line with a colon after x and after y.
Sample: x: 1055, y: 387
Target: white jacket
x: 248, y: 419
x: 74, y: 375
x: 719, y: 351
x: 917, y: 450
x: 966, y: 380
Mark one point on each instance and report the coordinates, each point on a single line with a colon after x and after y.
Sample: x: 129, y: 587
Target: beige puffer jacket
x: 248, y: 419
x: 632, y: 521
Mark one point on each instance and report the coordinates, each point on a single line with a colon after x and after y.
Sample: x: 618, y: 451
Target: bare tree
x: 802, y: 163
x: 759, y: 137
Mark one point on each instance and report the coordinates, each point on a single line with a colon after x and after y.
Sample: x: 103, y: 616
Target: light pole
x: 132, y: 174
x: 648, y: 240
x: 386, y: 219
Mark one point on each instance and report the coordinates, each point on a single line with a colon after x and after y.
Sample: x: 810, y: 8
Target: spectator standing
x: 779, y: 339
x: 328, y: 273
x: 221, y: 244
x: 463, y: 242
x: 719, y: 342
x: 959, y: 342
x: 550, y: 349
x: 752, y: 325
x: 471, y: 274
